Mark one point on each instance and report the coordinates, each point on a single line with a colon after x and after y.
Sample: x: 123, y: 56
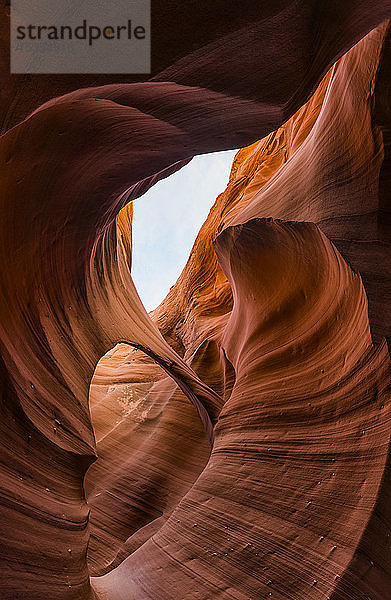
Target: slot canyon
x: 234, y: 442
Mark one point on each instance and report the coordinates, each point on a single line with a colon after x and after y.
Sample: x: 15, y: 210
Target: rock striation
x: 236, y: 441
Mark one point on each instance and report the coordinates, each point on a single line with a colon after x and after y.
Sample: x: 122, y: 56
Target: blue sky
x: 167, y: 219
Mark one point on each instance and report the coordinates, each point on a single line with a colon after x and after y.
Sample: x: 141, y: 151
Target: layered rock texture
x: 235, y: 443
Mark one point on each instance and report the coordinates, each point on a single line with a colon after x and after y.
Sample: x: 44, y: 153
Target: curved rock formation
x: 305, y: 512
x: 302, y: 443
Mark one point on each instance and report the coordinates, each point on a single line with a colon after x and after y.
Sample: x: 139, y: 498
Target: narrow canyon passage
x: 234, y: 443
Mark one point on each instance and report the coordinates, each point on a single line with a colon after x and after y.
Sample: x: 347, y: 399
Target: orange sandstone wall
x: 244, y: 451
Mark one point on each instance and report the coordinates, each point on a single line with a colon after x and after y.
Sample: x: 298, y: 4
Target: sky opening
x: 167, y: 220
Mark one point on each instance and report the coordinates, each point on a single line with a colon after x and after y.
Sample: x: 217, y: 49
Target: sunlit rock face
x: 236, y: 442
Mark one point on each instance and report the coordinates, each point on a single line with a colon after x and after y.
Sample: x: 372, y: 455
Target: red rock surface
x: 266, y: 332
